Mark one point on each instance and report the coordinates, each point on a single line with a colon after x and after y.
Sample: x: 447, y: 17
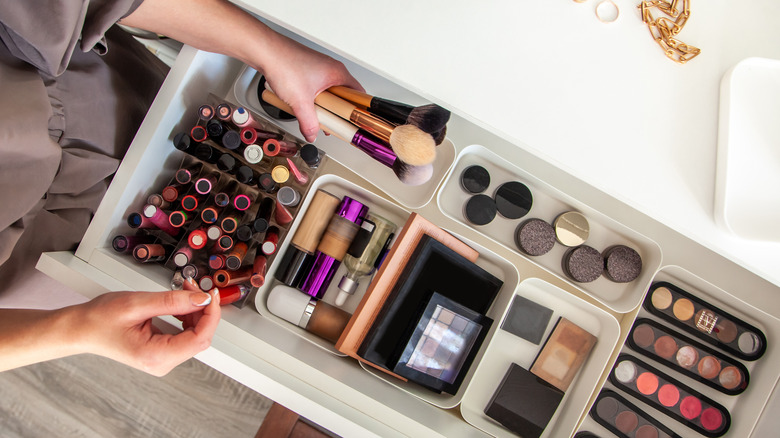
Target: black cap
x: 182, y: 141
x: 206, y: 153
x: 244, y: 233
x: 245, y: 175
x: 260, y: 225
x: 215, y: 128
x: 231, y: 140
x: 266, y: 183
x: 226, y: 163
x: 310, y: 155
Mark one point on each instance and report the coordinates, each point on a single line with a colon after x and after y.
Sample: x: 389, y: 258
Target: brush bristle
x: 412, y: 175
x: 429, y: 118
x: 413, y: 146
x: 439, y: 136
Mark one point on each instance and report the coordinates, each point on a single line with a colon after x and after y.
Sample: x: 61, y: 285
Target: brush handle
x: 354, y: 96
x: 350, y: 112
x: 344, y: 130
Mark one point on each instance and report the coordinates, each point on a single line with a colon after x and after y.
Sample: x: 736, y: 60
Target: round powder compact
x: 622, y: 264
x: 513, y: 200
x: 571, y: 228
x: 535, y: 237
x: 475, y: 179
x: 583, y: 264
x: 480, y: 210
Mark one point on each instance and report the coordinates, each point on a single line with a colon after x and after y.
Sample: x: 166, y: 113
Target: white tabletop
x: 599, y: 100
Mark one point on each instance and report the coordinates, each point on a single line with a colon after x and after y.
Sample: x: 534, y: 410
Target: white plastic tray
x: 506, y: 348
x: 245, y: 90
x: 547, y: 204
x: 340, y: 187
x: 747, y: 202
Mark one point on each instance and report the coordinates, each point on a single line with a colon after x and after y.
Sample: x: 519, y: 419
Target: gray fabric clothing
x: 75, y: 89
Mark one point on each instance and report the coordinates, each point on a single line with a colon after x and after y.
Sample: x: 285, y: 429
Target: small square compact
x: 443, y: 344
x: 524, y: 403
x: 563, y: 354
x: 527, y: 319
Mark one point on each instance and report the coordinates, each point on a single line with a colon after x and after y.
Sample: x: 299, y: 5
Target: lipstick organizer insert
x: 286, y: 363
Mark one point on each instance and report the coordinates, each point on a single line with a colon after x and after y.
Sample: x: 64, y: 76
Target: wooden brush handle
x: 335, y: 104
x: 354, y: 96
x: 273, y: 99
x: 329, y: 122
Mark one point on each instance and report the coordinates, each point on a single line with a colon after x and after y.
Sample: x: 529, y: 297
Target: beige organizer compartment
x: 245, y: 91
x: 506, y: 348
x: 548, y: 203
x: 340, y: 187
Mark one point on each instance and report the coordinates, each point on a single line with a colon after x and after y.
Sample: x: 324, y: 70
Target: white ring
x: 608, y: 18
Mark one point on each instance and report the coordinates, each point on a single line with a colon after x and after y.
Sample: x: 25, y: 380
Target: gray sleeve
x: 45, y: 33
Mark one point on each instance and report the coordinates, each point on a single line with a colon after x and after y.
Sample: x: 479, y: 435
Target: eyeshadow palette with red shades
x: 669, y: 396
x: 705, y: 321
x: 625, y: 420
x: 688, y: 357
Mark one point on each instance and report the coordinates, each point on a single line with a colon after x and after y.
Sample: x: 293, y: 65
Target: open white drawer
x: 256, y: 351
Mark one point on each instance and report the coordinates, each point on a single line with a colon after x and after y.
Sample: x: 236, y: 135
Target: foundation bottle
x: 314, y: 316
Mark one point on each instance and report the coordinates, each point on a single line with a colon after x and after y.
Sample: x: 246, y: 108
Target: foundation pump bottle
x: 314, y: 316
x: 363, y: 252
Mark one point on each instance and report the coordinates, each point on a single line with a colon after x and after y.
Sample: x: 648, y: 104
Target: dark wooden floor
x: 89, y: 396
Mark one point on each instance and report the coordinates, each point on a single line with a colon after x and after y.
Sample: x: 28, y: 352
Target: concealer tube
x: 299, y: 257
x: 314, y: 316
x: 334, y: 244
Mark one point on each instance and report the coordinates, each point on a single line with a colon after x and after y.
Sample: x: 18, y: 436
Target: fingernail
x: 200, y: 299
x: 215, y: 292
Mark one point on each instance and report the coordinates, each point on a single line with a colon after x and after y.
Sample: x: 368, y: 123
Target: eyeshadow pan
x: 607, y: 407
x: 571, y: 228
x: 647, y: 383
x: 668, y: 395
x: 563, y: 354
x: 726, y: 331
x: 475, y: 179
x: 687, y: 356
x: 625, y: 371
x: 748, y: 343
x: 535, y: 237
x: 730, y: 377
x: 711, y: 419
x: 690, y: 407
x: 646, y: 431
x: 622, y: 264
x: 527, y: 319
x: 661, y: 298
x: 709, y: 367
x: 683, y: 309
x: 643, y: 335
x: 665, y: 346
x: 480, y: 210
x: 583, y: 264
x: 626, y: 421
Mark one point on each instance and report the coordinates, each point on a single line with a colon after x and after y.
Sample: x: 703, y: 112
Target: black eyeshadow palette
x: 688, y: 357
x: 705, y: 321
x: 625, y: 420
x: 666, y: 394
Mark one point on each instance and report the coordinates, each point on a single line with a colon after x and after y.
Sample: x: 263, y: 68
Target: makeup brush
x: 429, y: 118
x: 373, y: 147
x: 411, y: 145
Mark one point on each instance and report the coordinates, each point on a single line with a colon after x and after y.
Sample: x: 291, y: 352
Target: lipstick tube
x: 185, y: 174
x: 204, y: 185
x: 150, y: 252
x: 198, y: 134
x: 138, y: 221
x: 182, y: 256
x: 160, y: 219
x: 250, y: 135
x: 232, y: 294
x: 258, y: 270
x: 189, y: 203
x: 197, y: 239
x: 216, y: 261
x: 271, y: 241
x: 243, y: 119
x: 282, y: 215
x: 224, y: 111
x: 179, y: 218
x: 126, y: 244
x: 279, y: 148
x: 236, y: 256
x: 223, y: 278
x: 224, y: 243
x: 334, y: 244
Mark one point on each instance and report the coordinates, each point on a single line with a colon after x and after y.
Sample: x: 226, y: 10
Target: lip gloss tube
x: 258, y: 270
x: 279, y: 148
x: 282, y: 214
x: 228, y: 225
x: 205, y: 184
x: 197, y: 239
x: 232, y: 294
x: 198, y: 134
x: 216, y: 261
x: 209, y: 215
x: 193, y: 271
x: 206, y: 112
x: 224, y: 111
x: 179, y: 219
x: 182, y: 256
x: 242, y: 202
x: 168, y: 194
x: 224, y: 243
x: 243, y: 119
x: 158, y: 201
x: 250, y: 135
x: 236, y: 256
x: 185, y: 174
x: 126, y: 244
x: 160, y: 219
x: 150, y: 252
x: 206, y: 283
x: 342, y: 228
x: 189, y: 203
x: 271, y: 241
x: 183, y: 142
x: 267, y: 184
x: 253, y: 154
x: 214, y: 232
x: 223, y: 278
x: 138, y: 221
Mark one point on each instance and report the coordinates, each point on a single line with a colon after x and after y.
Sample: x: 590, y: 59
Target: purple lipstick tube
x: 334, y: 244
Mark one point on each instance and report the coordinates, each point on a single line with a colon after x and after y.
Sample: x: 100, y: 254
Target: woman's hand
x: 119, y: 326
